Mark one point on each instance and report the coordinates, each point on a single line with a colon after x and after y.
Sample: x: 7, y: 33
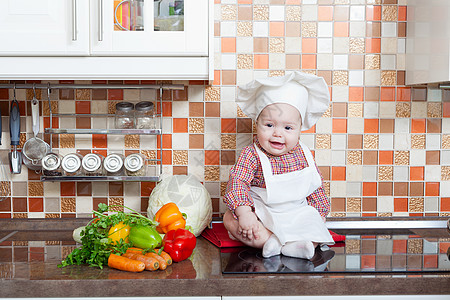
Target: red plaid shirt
x: 248, y: 172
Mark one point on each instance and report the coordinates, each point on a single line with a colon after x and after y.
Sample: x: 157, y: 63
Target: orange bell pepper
x: 169, y: 218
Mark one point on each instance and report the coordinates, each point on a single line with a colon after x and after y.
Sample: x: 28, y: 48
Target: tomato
x: 119, y: 231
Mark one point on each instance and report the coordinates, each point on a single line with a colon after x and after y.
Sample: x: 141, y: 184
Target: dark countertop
x: 30, y: 251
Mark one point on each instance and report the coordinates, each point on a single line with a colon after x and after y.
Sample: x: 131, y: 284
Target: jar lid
x: 124, y: 106
x: 134, y: 162
x: 113, y: 163
x: 144, y: 106
x: 71, y: 163
x: 91, y: 162
x: 51, y: 162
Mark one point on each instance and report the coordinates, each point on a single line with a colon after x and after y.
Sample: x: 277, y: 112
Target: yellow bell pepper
x: 169, y: 218
x: 119, y: 231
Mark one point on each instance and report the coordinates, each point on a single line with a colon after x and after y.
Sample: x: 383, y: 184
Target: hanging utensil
x: 15, y: 157
x: 5, y: 180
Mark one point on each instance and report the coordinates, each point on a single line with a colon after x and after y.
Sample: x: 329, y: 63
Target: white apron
x: 282, y: 206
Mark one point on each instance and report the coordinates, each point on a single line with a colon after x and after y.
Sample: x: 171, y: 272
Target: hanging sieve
x: 33, y: 151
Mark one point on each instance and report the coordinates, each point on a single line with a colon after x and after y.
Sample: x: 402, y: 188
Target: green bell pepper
x: 145, y: 237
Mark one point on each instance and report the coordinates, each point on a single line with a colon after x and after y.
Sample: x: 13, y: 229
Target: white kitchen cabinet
x: 80, y: 39
x: 428, y: 42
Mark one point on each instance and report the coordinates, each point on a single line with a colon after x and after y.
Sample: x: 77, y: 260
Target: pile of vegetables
x: 131, y: 241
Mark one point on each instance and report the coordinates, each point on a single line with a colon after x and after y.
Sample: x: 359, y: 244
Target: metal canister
x: 113, y: 164
x: 92, y: 164
x: 135, y: 165
x: 71, y: 164
x: 51, y: 165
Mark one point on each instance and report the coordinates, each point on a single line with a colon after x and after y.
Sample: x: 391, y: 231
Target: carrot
x: 125, y: 264
x: 151, y: 264
x: 162, y: 261
x: 134, y: 250
x: 165, y: 255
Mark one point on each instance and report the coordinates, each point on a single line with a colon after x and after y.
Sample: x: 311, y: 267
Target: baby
x: 275, y: 195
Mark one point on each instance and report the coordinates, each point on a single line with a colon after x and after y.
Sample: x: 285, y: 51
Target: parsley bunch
x: 96, y: 245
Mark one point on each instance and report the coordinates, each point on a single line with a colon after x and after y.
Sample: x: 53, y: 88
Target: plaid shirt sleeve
x: 241, y: 176
x: 319, y: 199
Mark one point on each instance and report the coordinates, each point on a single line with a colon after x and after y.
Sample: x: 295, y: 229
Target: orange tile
x: 115, y: 94
x: 387, y: 93
x: 293, y: 2
x: 430, y: 261
x: 446, y: 109
x: 339, y: 126
x: 147, y: 188
x: 166, y: 157
x: 386, y: 157
x: 36, y: 204
x: 367, y: 261
x: 245, y: 1
x: 55, y: 122
x: 167, y: 108
x: 102, y: 152
x: 67, y: 189
x: 325, y: 13
x: 276, y: 29
x: 180, y: 125
x: 431, y: 188
x: 308, y: 61
x: 83, y: 107
x: 311, y: 130
x: 309, y: 45
x: 373, y: 45
x: 399, y: 246
x: 371, y: 125
x: 338, y: 173
x: 400, y: 204
x: 356, y: 93
x: 216, y: 77
x: 445, y: 204
x: 373, y: 13
x: 418, y: 125
x: 99, y: 141
x: 443, y: 247
x: 416, y: 173
x: 261, y: 61
x: 228, y: 125
x: 403, y: 94
x: 228, y: 45
x: 341, y: 29
x: 369, y: 188
x: 166, y: 141
x: 402, y: 13
x: 212, y: 157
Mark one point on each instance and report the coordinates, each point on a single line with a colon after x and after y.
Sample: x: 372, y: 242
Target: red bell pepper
x: 179, y: 243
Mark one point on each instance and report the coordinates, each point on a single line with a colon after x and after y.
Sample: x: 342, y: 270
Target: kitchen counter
x: 30, y: 251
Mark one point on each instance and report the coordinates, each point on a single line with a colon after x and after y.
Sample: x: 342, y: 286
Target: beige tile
x: 132, y: 141
x: 149, y: 154
x: 355, y: 110
x: 112, y: 106
x: 352, y: 246
x: 403, y: 110
x: 35, y: 189
x: 401, y: 158
x: 416, y: 205
x: 116, y: 201
x: 354, y: 157
x: 389, y: 13
x: 293, y: 13
x: 434, y: 110
x: 276, y: 45
x: 22, y: 139
x: 228, y: 141
x: 51, y: 216
x: 260, y: 12
x: 374, y: 1
x: 83, y: 94
x: 223, y: 188
x: 212, y: 173
x: 196, y: 125
x: 372, y: 61
x: 323, y: 141
x: 415, y: 246
x: 418, y: 141
x: 212, y: 93
x: 356, y: 45
x: 385, y: 173
x: 67, y: 141
x: 68, y: 204
x: 370, y: 141
x: 309, y: 29
x: 244, y: 29
x: 229, y: 12
x: 446, y: 141
x: 388, y: 78
x: 445, y: 172
x: 180, y: 157
x: 245, y: 61
x: 353, y: 204
x: 276, y: 73
x: 340, y: 77
x: 20, y: 215
x: 46, y: 110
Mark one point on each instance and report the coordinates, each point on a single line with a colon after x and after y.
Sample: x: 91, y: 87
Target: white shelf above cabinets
x: 78, y: 39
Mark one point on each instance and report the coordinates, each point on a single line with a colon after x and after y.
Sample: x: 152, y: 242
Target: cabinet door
x: 149, y: 28
x: 44, y: 27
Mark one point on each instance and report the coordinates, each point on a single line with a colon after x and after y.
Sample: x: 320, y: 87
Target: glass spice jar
x: 92, y: 164
x: 113, y: 165
x: 71, y: 164
x: 144, y: 115
x: 135, y: 165
x: 124, y: 118
x: 51, y: 165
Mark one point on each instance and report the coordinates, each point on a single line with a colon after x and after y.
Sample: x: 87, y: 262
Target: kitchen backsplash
x: 383, y: 148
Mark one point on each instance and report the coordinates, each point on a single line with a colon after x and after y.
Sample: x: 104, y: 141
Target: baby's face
x: 278, y: 128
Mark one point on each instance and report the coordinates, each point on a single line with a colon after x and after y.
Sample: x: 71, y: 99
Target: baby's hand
x: 248, y: 226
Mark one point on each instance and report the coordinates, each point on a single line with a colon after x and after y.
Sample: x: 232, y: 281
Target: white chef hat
x: 306, y: 92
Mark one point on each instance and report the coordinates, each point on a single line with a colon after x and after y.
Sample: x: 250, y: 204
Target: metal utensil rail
x: 52, y: 131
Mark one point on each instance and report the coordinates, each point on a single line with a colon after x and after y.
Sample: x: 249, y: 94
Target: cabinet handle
x: 74, y: 20
x: 100, y: 21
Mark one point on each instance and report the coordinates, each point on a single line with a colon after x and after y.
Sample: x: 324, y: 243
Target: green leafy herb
x: 96, y: 245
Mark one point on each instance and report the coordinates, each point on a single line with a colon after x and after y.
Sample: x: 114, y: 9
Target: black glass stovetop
x: 383, y: 251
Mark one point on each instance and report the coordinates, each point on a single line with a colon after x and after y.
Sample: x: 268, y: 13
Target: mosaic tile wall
x: 383, y: 147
